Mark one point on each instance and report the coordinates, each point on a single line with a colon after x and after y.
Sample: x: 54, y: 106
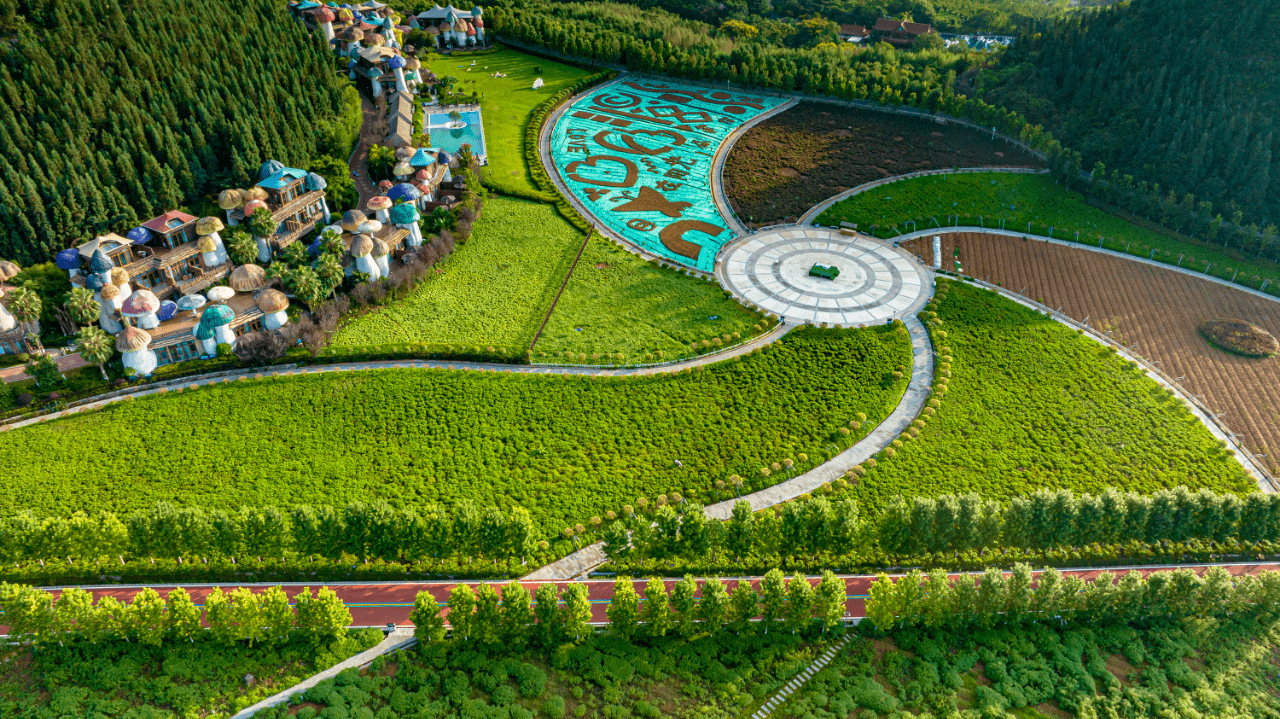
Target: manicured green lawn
x: 565, y: 447
x: 507, y: 104
x: 1019, y: 199
x: 1033, y: 405
x: 494, y: 290
x: 617, y: 303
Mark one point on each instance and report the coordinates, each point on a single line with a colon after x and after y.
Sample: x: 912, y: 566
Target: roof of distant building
x: 854, y: 30
x: 169, y: 221
x: 911, y: 28
x: 283, y: 178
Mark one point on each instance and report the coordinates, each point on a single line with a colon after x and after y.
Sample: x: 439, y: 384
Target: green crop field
x: 506, y: 105
x: 565, y: 447
x: 1020, y: 199
x: 1033, y: 405
x: 495, y: 289
x: 617, y: 303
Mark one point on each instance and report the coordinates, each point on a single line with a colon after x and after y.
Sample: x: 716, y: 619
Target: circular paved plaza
x: 874, y: 281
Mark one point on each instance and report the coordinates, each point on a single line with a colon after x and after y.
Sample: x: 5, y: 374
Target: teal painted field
x: 638, y: 155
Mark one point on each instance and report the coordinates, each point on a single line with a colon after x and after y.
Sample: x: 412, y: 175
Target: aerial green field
x: 493, y: 290
x: 1033, y: 405
x: 1020, y: 199
x: 617, y: 303
x: 565, y: 447
x: 506, y: 104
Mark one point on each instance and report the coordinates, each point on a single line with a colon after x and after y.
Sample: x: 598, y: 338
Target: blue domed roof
x: 374, y: 73
x: 94, y: 282
x: 313, y: 182
x: 395, y: 62
x: 404, y: 191
x: 202, y: 333
x: 139, y: 235
x: 167, y: 310
x: 269, y: 168
x: 68, y: 259
x: 99, y: 262
x: 444, y: 158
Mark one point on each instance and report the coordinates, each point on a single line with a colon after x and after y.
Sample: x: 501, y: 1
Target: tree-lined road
x: 374, y: 604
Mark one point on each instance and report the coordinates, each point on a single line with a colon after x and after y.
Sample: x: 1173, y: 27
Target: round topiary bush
x: 1239, y: 337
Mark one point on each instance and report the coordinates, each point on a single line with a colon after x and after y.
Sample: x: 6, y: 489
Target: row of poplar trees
x: 1045, y: 520
x: 553, y: 615
x: 366, y: 530
x: 235, y: 617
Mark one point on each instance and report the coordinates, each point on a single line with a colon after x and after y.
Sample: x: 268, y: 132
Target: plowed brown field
x: 1159, y: 309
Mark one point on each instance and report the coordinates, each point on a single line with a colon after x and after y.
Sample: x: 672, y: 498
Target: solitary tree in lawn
x: 95, y: 347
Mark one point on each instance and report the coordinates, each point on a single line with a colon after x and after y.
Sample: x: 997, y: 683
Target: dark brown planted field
x: 1159, y: 309
x: 798, y: 158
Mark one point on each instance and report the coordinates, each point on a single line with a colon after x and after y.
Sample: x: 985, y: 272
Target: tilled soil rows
x: 1156, y: 308
x: 792, y: 161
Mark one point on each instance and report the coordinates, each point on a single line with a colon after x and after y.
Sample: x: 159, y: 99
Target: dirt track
x: 1156, y: 308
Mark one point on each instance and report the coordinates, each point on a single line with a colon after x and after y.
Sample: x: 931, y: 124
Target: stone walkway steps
x: 783, y: 694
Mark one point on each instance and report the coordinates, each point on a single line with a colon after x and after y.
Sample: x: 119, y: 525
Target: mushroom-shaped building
x: 69, y: 260
x: 402, y: 171
x: 274, y: 306
x: 254, y: 193
x: 380, y: 204
x: 221, y: 293
x: 215, y: 328
x: 230, y: 200
x: 133, y: 344
x: 100, y: 264
x: 314, y: 183
x: 396, y: 64
x: 384, y: 185
x: 404, y: 153
x: 109, y: 301
x: 142, y: 306
x: 379, y: 254
x: 207, y: 228
x: 422, y: 159
x: 361, y: 247
x: 247, y: 278
x: 8, y: 270
x: 351, y: 220
x: 191, y: 302
x: 324, y: 17
x: 404, y: 192
x: 405, y: 216
x: 7, y: 321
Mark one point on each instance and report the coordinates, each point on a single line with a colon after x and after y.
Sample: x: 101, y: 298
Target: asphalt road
x: 377, y: 604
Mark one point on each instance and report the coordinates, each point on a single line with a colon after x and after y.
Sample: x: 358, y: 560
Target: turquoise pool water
x: 452, y: 140
x: 637, y: 154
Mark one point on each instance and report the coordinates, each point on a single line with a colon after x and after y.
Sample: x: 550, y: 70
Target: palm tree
x: 381, y: 160
x: 329, y: 271
x: 81, y: 305
x: 26, y: 305
x: 306, y: 285
x: 95, y: 347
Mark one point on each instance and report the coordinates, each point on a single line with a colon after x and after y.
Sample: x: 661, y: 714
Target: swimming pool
x: 637, y: 154
x: 449, y: 138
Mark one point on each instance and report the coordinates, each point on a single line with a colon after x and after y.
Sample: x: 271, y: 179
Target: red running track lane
x: 390, y: 603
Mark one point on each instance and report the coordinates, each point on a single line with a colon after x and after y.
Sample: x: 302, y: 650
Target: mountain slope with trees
x: 112, y: 112
x: 1177, y: 93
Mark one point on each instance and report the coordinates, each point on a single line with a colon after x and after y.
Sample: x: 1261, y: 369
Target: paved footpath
x: 377, y: 604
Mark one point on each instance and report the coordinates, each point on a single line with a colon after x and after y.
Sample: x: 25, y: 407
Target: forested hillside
x: 1183, y: 93
x: 945, y: 15
x: 115, y: 111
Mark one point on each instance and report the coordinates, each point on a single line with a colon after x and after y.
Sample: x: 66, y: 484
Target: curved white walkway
x: 722, y: 154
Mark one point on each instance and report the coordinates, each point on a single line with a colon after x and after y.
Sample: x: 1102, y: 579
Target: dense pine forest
x: 1180, y: 93
x: 116, y: 111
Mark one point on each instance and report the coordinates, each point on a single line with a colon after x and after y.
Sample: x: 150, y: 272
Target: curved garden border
x: 1207, y: 416
x: 717, y: 169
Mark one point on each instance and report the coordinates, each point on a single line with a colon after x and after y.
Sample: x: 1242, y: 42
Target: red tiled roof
x: 161, y: 223
x: 855, y: 30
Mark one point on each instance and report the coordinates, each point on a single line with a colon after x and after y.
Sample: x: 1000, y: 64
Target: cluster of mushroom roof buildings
x: 160, y: 287
x: 366, y: 35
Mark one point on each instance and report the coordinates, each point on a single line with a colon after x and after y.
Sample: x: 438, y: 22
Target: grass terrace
x: 618, y: 304
x: 565, y: 447
x: 506, y: 105
x: 1030, y: 404
x: 493, y: 290
x: 1035, y: 199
